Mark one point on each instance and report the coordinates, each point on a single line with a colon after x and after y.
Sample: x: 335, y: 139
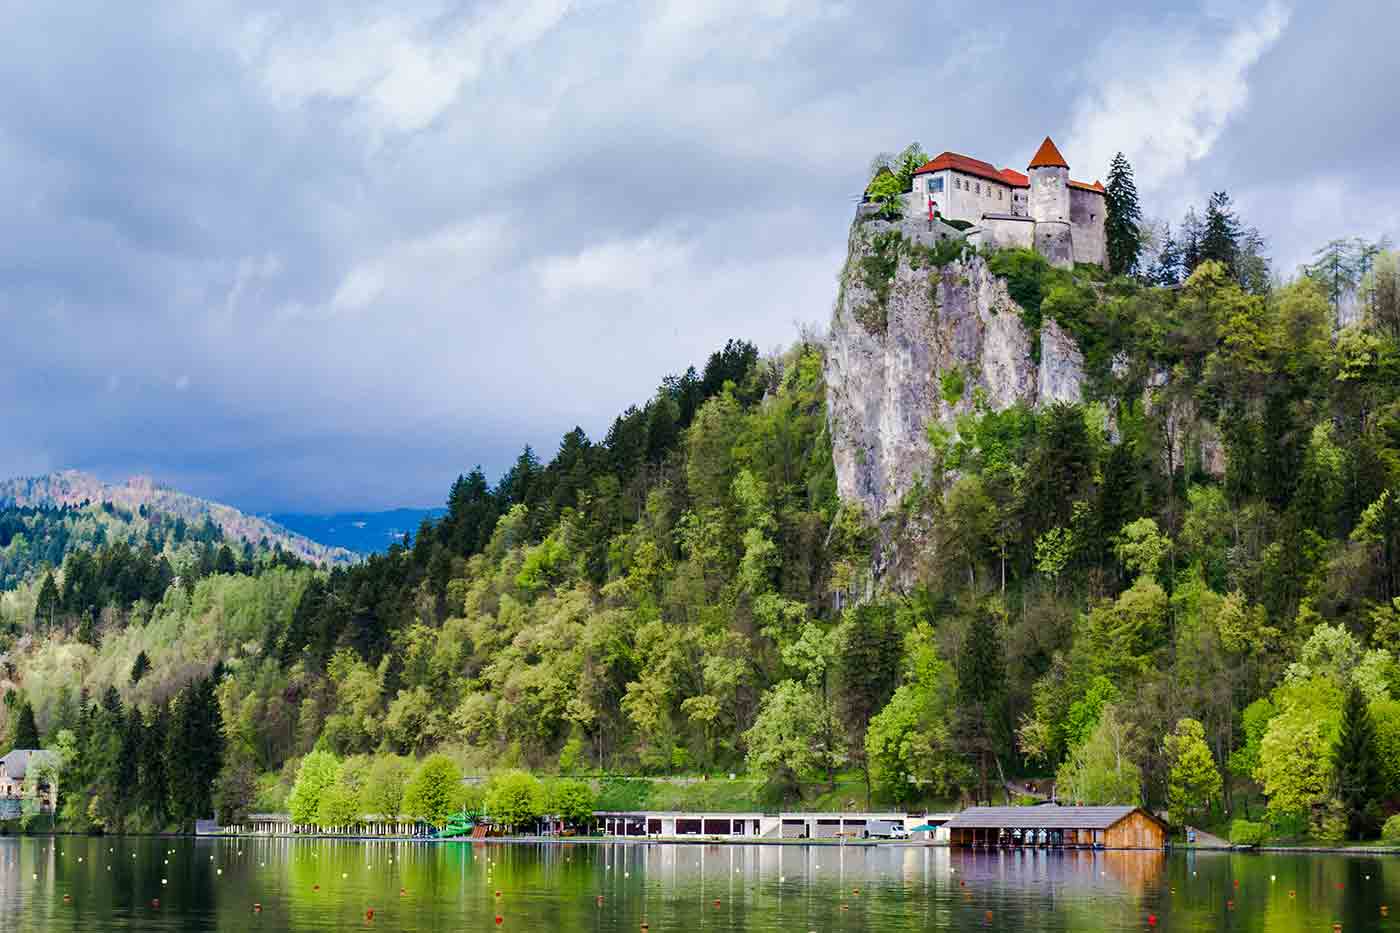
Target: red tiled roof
x: 1048, y: 156
x: 962, y: 163
x: 1007, y: 176
x: 1014, y: 178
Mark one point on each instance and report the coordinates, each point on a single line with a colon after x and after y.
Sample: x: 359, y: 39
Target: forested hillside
x: 1081, y: 594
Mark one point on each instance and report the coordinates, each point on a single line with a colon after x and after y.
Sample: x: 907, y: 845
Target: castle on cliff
x: 1044, y: 210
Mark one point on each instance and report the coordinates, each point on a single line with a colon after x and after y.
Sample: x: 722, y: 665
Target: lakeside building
x: 16, y: 769
x: 1053, y: 825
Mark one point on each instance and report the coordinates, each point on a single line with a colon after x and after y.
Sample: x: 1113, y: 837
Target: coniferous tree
x: 140, y: 667
x: 1190, y: 242
x: 1220, y: 237
x: 46, y: 607
x: 1122, y: 225
x: 1357, y: 768
x: 1337, y: 267
x: 154, y: 773
x: 26, y: 730
x: 1165, y: 270
x: 981, y: 668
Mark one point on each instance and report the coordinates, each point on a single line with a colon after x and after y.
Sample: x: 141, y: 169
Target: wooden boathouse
x: 1054, y: 826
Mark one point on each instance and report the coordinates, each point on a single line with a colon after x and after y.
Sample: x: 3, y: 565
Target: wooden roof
x: 1044, y: 816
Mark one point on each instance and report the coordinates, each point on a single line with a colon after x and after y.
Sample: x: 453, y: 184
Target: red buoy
x: 1152, y: 920
x: 369, y: 913
x: 500, y: 920
x: 257, y: 908
x: 155, y: 902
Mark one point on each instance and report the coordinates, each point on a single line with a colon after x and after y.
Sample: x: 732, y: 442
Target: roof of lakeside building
x: 1048, y: 156
x: 1044, y: 816
x: 989, y: 215
x: 16, y: 763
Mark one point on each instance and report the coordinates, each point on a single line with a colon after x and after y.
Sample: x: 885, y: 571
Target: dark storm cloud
x: 330, y: 255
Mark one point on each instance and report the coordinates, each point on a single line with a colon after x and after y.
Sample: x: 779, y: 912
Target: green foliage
x: 26, y: 733
x: 1390, y: 832
x: 570, y: 800
x: 514, y: 798
x: 1101, y: 771
x: 1123, y: 218
x: 1356, y: 767
x: 319, y: 771
x: 1246, y: 833
x: 793, y: 736
x: 951, y: 386
x: 435, y: 791
x: 1193, y: 781
x: 876, y: 272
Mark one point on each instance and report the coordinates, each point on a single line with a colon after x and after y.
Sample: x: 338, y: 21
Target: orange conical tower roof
x: 1048, y: 155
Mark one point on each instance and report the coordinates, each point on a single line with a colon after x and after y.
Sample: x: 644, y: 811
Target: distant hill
x: 141, y: 495
x: 362, y: 532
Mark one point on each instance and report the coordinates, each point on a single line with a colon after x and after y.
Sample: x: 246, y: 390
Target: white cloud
x: 400, y: 71
x: 634, y: 265
x: 1164, y: 96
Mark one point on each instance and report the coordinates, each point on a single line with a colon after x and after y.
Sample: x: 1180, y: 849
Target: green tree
x: 792, y: 736
x: 337, y: 806
x: 1337, y: 267
x: 570, y: 800
x: 514, y: 798
x: 319, y: 771
x: 1101, y: 771
x: 26, y: 730
x: 1123, y: 219
x: 140, y: 667
x: 46, y: 606
x: 1220, y: 238
x: 1294, y: 768
x: 1356, y: 768
x: 435, y: 791
x: 384, y: 788
x: 1193, y: 780
x: 981, y: 671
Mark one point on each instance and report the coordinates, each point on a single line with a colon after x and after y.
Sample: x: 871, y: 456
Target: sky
x: 328, y: 255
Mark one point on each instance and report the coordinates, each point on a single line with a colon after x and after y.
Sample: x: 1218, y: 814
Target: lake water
x: 213, y: 884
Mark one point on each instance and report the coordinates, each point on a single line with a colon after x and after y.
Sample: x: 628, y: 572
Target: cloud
x: 401, y: 71
x: 1165, y: 95
x: 636, y: 265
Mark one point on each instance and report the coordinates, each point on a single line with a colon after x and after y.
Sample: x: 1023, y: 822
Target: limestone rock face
x: 942, y: 340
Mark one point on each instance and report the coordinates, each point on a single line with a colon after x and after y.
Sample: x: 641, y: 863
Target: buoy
x: 403, y: 892
x: 844, y: 907
x: 1152, y: 920
x: 989, y: 916
x: 344, y: 875
x: 164, y: 881
x: 257, y: 908
x: 782, y: 878
x: 962, y: 884
x: 218, y: 871
x: 855, y: 890
x: 716, y: 902
x: 67, y: 898
x: 1237, y: 882
x: 155, y: 902
x: 500, y: 920
x: 315, y: 887
x: 1229, y: 905
x: 498, y: 893
x: 369, y: 913
x: 1273, y: 877
x: 1292, y: 893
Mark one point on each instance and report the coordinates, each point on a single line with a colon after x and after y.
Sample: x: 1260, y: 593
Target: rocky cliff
x: 921, y: 335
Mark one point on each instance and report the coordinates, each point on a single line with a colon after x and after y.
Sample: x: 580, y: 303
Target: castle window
x: 978, y: 187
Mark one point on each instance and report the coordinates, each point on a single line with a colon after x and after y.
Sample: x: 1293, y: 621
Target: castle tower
x: 1049, y: 204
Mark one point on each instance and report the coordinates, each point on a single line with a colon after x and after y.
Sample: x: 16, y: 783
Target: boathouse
x: 1050, y: 826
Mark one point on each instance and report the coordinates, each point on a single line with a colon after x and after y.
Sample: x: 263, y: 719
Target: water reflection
x: 301, y: 884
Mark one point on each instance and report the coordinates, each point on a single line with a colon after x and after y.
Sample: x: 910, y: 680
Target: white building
x: 1046, y: 210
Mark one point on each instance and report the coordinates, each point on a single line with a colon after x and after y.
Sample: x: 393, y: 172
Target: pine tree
x: 1122, y: 225
x: 26, y: 730
x: 1190, y: 240
x: 46, y: 607
x: 1166, y: 269
x: 1357, y: 768
x: 140, y: 667
x: 981, y: 669
x: 1337, y: 267
x: 154, y: 774
x: 1220, y: 239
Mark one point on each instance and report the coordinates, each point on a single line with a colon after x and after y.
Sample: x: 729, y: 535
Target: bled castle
x: 1043, y: 209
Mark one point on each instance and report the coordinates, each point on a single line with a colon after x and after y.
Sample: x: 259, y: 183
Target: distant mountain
x: 362, y: 532
x: 141, y: 495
